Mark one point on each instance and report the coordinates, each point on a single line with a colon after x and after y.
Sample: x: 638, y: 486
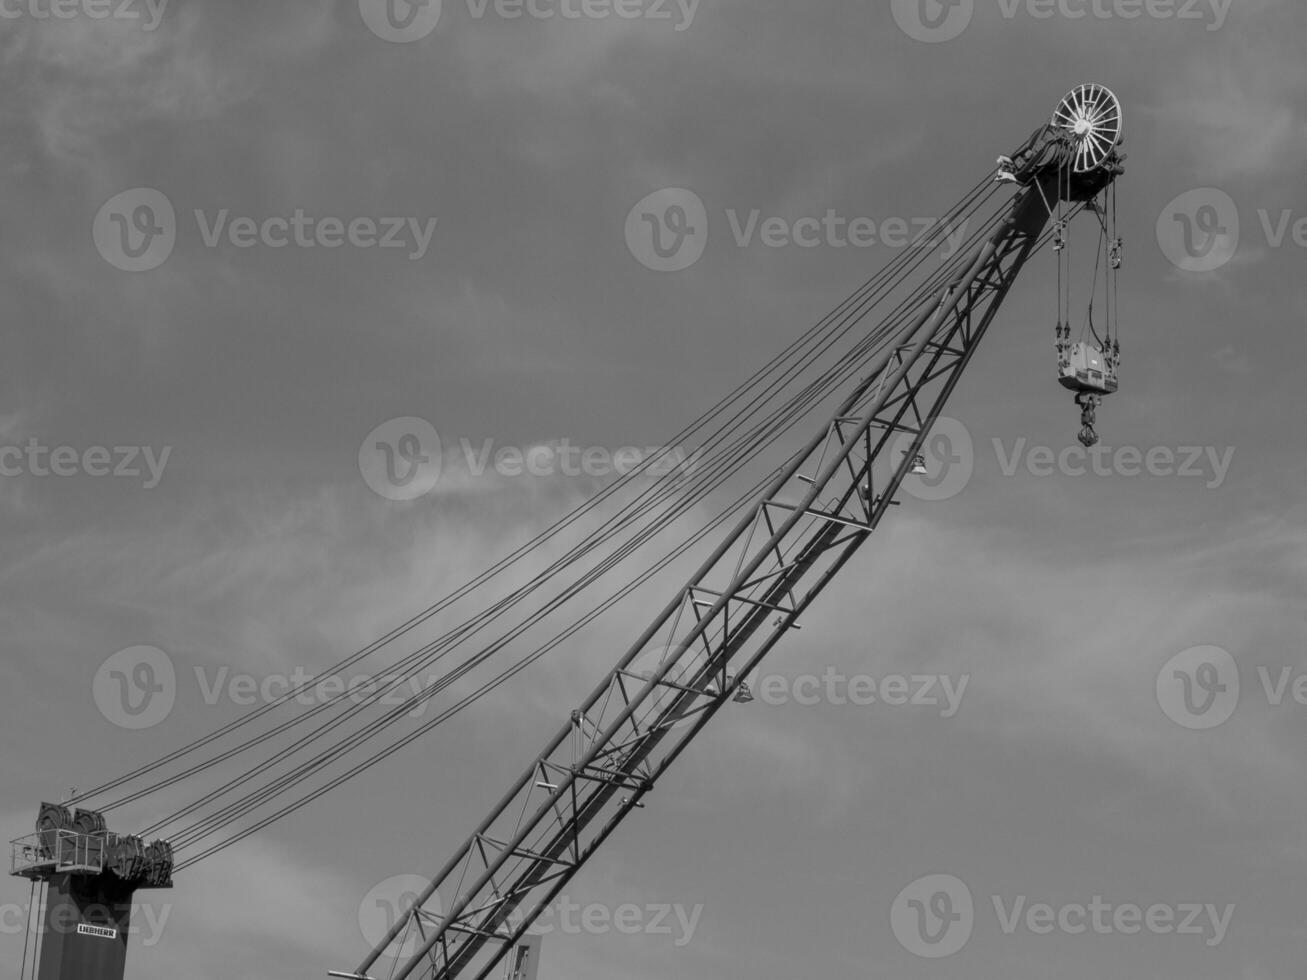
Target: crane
x: 797, y: 533
x: 743, y: 600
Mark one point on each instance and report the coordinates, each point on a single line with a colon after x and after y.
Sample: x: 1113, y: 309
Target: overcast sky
x: 234, y: 368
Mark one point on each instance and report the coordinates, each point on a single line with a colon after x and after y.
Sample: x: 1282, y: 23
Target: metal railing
x: 49, y: 852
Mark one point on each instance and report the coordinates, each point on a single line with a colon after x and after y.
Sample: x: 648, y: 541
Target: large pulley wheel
x: 53, y: 818
x: 1092, y: 115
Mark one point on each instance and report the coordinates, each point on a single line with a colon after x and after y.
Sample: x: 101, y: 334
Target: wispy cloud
x: 1235, y: 118
x: 85, y: 80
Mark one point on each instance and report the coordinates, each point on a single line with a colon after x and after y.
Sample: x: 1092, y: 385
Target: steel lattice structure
x: 819, y: 510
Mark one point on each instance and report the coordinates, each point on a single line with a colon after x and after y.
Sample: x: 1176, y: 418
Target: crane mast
x: 820, y: 509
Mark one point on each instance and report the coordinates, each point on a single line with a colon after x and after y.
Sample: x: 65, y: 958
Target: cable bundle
x: 340, y: 737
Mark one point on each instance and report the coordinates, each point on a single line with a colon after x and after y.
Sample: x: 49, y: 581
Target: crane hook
x: 1088, y: 404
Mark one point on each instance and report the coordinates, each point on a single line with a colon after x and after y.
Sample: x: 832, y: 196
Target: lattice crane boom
x: 824, y: 504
